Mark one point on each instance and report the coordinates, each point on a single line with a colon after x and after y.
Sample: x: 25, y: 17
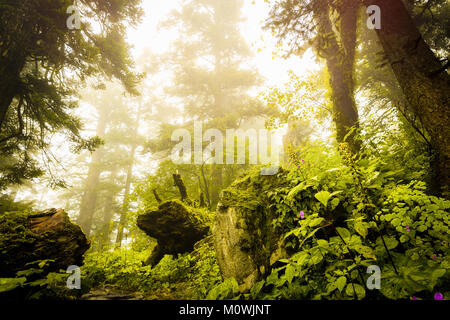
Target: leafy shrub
x: 194, y: 272
x: 338, y: 221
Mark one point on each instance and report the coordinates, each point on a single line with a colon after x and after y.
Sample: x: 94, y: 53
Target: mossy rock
x: 245, y: 238
x: 176, y: 227
x: 49, y: 235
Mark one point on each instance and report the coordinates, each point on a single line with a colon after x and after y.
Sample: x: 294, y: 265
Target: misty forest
x: 224, y: 149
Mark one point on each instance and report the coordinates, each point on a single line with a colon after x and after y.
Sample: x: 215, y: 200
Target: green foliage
x: 37, y: 283
x: 225, y: 290
x: 7, y: 204
x: 350, y: 212
x: 8, y: 284
x: 44, y: 64
x: 188, y: 276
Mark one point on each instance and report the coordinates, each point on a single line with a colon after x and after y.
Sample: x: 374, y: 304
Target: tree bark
x: 157, y: 198
x: 89, y: 199
x: 421, y: 76
x: 181, y: 187
x: 340, y: 59
x: 10, y: 83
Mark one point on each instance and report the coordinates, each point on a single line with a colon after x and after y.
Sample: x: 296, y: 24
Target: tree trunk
x: 422, y: 78
x: 107, y: 218
x: 124, y: 210
x: 89, y: 199
x: 10, y: 83
x: 181, y: 187
x: 205, y: 183
x: 216, y: 184
x: 157, y: 198
x: 340, y: 58
x: 108, y: 214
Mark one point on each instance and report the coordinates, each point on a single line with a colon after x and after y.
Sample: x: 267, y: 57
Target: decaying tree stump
x: 181, y: 187
x: 175, y: 226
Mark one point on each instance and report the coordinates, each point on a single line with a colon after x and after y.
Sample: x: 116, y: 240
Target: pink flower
x: 407, y: 228
x: 303, y: 160
x: 438, y: 296
x: 414, y: 298
x: 301, y: 215
x: 434, y: 257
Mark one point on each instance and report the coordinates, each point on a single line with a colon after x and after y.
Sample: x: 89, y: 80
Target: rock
x: 48, y: 235
x: 246, y: 242
x: 175, y: 226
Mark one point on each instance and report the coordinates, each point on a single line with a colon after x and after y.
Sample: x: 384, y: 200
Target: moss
x: 193, y: 215
x: 19, y: 246
x: 257, y: 237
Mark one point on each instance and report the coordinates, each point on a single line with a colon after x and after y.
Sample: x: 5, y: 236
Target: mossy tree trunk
x: 423, y: 79
x: 338, y: 49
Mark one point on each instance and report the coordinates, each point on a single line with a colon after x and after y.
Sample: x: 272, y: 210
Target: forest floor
x: 111, y: 292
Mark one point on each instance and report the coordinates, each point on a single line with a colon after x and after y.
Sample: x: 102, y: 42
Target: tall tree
x: 209, y: 74
x: 117, y: 126
x: 422, y: 77
x: 43, y: 63
x: 89, y: 198
x: 129, y: 179
x: 329, y: 26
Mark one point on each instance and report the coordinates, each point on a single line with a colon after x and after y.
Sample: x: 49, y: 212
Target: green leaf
x: 391, y: 242
x: 360, y: 291
x: 367, y: 252
x: 344, y: 233
x: 8, y: 284
x: 309, y: 236
x: 301, y: 257
x: 28, y: 272
x: 341, y: 282
x: 316, y: 258
x: 316, y: 222
x: 361, y: 227
x: 322, y: 243
x: 272, y: 278
x: 334, y: 203
x: 290, y: 273
x: 323, y: 197
x: 256, y: 289
x: 302, y: 186
x: 437, y: 273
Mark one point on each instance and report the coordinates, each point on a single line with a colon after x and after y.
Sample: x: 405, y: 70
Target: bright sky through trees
x: 150, y: 36
x: 261, y: 42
